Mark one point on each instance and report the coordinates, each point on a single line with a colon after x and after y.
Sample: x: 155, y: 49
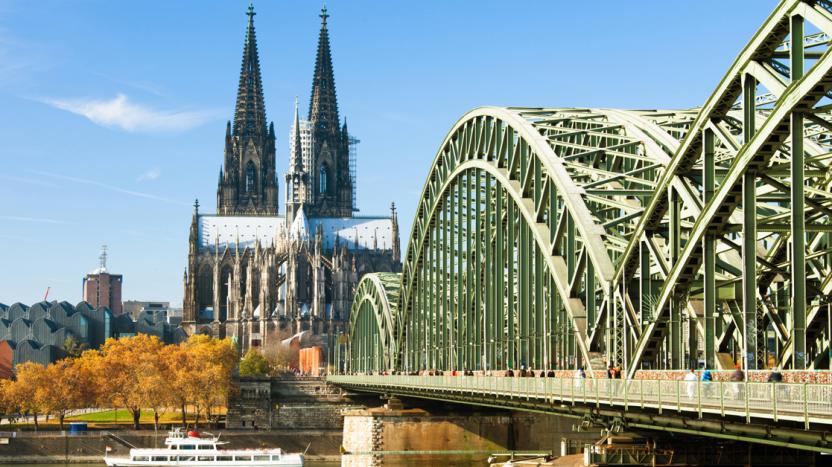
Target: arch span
x: 556, y: 238
x: 373, y: 323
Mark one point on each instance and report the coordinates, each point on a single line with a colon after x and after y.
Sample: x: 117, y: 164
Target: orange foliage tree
x: 211, y: 362
x: 68, y: 387
x: 126, y: 372
x: 27, y: 390
x: 136, y: 373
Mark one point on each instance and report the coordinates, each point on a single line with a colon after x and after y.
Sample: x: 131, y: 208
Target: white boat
x: 186, y: 449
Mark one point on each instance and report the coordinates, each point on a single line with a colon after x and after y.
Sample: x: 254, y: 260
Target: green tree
x: 73, y: 348
x: 254, y: 364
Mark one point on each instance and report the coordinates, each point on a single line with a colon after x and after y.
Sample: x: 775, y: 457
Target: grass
x: 124, y: 416
x: 119, y: 417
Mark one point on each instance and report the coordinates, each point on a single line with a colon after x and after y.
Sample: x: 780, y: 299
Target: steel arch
x: 576, y: 180
x: 754, y: 166
x: 373, y: 322
x: 563, y: 237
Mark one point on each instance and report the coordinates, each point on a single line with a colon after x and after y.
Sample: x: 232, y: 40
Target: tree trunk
x: 36, y: 420
x: 136, y: 414
x: 184, y: 420
x: 208, y: 415
x: 155, y: 419
x: 196, y: 422
x: 61, y: 420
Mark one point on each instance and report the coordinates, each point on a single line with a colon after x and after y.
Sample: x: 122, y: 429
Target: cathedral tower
x: 330, y: 190
x: 247, y: 183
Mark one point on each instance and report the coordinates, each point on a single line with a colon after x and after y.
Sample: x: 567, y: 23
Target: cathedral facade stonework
x: 258, y: 276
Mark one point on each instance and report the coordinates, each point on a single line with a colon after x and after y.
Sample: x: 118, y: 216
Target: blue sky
x: 112, y: 114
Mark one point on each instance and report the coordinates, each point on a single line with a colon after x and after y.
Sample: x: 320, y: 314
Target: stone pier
x: 435, y: 435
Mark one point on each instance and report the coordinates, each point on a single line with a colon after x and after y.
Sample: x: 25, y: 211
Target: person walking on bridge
x: 736, y: 378
x: 691, y: 379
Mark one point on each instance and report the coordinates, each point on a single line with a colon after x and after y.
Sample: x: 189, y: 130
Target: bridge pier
x: 439, y: 434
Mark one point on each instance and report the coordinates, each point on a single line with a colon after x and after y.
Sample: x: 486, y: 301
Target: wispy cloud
x: 140, y: 85
x: 120, y: 112
x: 29, y: 181
x: 17, y: 59
x: 150, y: 175
x: 39, y: 220
x: 106, y: 186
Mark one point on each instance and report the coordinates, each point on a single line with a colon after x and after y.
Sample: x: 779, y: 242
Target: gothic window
x: 324, y: 187
x: 251, y: 176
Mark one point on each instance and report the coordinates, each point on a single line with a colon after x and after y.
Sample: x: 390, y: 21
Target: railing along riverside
x: 807, y: 403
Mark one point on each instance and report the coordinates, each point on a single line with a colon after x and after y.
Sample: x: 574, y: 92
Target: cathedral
x: 257, y: 275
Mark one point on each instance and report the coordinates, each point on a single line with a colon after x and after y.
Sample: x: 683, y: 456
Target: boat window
x: 187, y: 446
x: 224, y: 458
x: 141, y: 458
x: 206, y: 458
x: 173, y: 446
x: 242, y: 458
x: 261, y: 458
x: 159, y: 458
x: 205, y: 446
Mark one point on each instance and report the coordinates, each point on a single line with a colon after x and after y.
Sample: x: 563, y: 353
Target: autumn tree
x: 181, y: 368
x: 67, y: 387
x: 215, y: 359
x: 28, y: 389
x: 282, y: 355
x: 127, y: 371
x: 7, y: 403
x: 254, y: 364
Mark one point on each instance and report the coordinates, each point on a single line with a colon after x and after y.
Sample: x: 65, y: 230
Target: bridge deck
x: 806, y: 403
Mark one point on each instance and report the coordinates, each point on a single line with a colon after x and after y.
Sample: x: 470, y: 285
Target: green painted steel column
x: 478, y: 321
x: 490, y: 271
x: 709, y: 252
x: 645, y: 294
x: 749, y: 231
x: 798, y: 218
x: 675, y: 305
x: 511, y: 290
x: 456, y: 299
x: 500, y: 308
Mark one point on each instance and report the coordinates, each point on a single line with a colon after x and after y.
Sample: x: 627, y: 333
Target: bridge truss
x: 554, y: 238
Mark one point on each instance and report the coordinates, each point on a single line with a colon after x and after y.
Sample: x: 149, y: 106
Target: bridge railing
x: 807, y: 403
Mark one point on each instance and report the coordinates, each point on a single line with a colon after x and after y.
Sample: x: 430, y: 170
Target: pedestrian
x: 707, y: 378
x: 510, y: 373
x: 775, y: 376
x: 736, y: 377
x: 580, y: 375
x: 609, y: 372
x: 691, y: 379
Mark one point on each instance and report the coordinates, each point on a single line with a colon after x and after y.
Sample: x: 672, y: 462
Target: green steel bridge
x: 558, y: 238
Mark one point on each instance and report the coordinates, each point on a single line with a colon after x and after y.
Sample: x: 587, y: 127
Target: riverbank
x: 56, y: 447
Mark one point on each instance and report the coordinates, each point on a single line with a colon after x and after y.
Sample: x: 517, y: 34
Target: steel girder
x: 561, y: 237
x: 753, y: 199
x: 513, y: 248
x: 372, y: 343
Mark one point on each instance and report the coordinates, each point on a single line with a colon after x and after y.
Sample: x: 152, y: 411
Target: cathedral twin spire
x: 250, y: 113
x: 247, y: 184
x: 319, y: 174
x: 323, y: 105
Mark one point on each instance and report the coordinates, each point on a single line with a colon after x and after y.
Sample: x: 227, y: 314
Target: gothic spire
x: 296, y: 163
x: 323, y: 107
x: 250, y: 113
